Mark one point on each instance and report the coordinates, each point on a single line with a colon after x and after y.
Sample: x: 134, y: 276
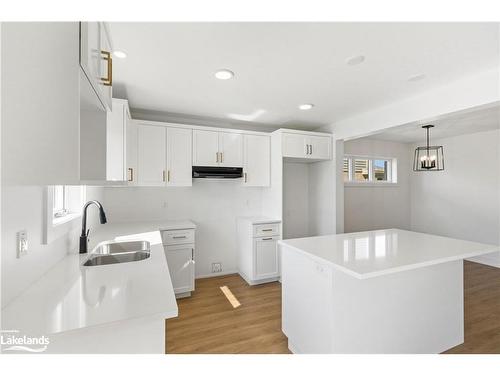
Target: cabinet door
x: 91, y: 58
x: 256, y: 160
x: 231, y: 149
x: 294, y: 145
x: 151, y: 155
x: 266, y: 257
x: 115, y: 143
x: 180, y: 259
x: 205, y: 148
x: 106, y: 68
x: 320, y: 147
x: 131, y: 150
x: 179, y: 153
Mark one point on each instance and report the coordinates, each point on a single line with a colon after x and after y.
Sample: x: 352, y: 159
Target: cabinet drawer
x: 174, y: 237
x: 271, y: 229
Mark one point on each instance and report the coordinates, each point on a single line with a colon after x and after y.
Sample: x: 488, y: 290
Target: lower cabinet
x: 179, y: 250
x: 180, y: 260
x: 258, y: 256
x: 266, y: 257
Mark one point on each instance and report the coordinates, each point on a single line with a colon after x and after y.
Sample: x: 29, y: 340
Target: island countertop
x: 70, y: 296
x: 375, y: 253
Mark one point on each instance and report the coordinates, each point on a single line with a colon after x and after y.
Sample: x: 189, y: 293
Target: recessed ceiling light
x: 355, y: 60
x: 119, y: 54
x: 305, y: 107
x: 224, y: 74
x: 416, y: 77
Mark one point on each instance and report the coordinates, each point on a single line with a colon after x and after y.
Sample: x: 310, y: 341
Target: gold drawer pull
x: 267, y: 230
x: 131, y: 174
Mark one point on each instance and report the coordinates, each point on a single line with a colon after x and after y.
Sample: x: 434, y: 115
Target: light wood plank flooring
x: 208, y: 323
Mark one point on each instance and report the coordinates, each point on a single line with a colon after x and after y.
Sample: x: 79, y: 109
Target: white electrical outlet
x: 216, y: 267
x: 22, y: 243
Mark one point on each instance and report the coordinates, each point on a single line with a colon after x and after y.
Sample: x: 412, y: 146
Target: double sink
x: 112, y: 252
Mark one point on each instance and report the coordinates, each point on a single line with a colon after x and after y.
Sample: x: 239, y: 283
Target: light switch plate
x: 22, y: 243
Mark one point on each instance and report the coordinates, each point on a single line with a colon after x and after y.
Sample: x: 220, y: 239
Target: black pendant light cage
x: 428, y: 158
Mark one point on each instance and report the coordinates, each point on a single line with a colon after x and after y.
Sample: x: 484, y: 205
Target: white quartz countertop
x: 177, y: 225
x: 70, y: 296
x: 375, y: 253
x: 259, y: 219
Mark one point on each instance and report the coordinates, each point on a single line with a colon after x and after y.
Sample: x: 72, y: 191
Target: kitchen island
x: 386, y: 291
x: 113, y: 308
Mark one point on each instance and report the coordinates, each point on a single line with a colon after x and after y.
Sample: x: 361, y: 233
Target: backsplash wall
x: 213, y: 205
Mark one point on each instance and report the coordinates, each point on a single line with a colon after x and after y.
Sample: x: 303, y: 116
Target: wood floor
x: 208, y: 322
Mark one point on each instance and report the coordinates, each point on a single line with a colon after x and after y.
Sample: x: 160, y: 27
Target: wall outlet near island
x: 216, y: 267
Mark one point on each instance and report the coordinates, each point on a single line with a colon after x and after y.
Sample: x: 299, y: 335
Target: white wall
x: 295, y: 200
x: 382, y: 206
x: 22, y: 208
x: 463, y: 200
x: 212, y: 204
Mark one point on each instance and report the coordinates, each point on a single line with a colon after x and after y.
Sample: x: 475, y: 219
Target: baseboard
x: 217, y: 274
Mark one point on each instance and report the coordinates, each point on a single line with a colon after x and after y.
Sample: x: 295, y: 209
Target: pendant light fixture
x: 428, y: 158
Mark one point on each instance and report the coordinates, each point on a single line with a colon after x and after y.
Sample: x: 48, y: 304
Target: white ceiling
x: 278, y: 66
x: 463, y: 122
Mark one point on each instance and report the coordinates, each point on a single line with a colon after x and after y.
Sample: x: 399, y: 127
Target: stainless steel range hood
x: 217, y: 172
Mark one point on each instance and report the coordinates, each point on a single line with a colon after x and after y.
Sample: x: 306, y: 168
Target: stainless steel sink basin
x: 121, y: 247
x: 118, y: 252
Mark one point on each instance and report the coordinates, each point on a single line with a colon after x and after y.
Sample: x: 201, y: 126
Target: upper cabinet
x: 217, y: 148
x: 230, y: 149
x: 53, y: 123
x: 131, y: 151
x: 306, y: 146
x: 256, y: 160
x: 205, y: 148
x: 151, y: 155
x: 163, y: 156
x: 116, y: 140
x: 179, y: 162
x: 96, y: 59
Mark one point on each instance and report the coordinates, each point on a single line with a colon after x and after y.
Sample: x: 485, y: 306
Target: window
x: 67, y: 202
x: 363, y: 169
x: 63, y: 205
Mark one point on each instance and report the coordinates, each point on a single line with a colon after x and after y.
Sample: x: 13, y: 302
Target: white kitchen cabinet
x: 179, y: 157
x: 96, y: 59
x: 258, y: 255
x: 294, y: 145
x: 304, y: 145
x: 230, y: 149
x: 116, y: 143
x: 179, y: 244
x: 217, y: 148
x: 320, y: 147
x: 53, y: 123
x: 256, y: 160
x: 151, y: 155
x: 180, y: 259
x: 266, y: 257
x: 206, y: 148
x: 131, y: 151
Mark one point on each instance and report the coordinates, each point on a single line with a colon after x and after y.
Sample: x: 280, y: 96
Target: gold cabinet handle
x: 216, y: 157
x: 245, y: 175
x: 108, y: 80
x: 168, y: 175
x: 221, y: 157
x: 163, y: 176
x: 131, y: 174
